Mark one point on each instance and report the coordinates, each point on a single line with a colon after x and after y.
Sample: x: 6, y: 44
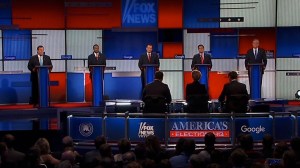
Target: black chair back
x: 237, y: 103
x: 197, y: 103
x: 155, y: 104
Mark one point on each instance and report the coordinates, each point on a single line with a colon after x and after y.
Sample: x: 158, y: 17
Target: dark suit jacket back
x: 144, y: 59
x: 195, y: 88
x: 197, y: 60
x: 231, y: 89
x: 92, y: 60
x: 34, y: 61
x: 260, y: 57
x: 157, y: 88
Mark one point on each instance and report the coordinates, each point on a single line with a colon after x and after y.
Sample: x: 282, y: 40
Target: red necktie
x: 202, y: 58
x: 149, y: 57
x: 97, y: 56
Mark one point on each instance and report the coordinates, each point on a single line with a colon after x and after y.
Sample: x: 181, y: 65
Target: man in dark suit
x: 37, y: 60
x: 157, y: 90
x: 147, y: 58
x: 201, y: 58
x: 96, y: 58
x: 196, y: 94
x: 234, y: 94
x: 256, y: 55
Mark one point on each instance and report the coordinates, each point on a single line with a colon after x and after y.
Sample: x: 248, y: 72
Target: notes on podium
x: 255, y: 77
x: 43, y: 80
x: 149, y: 71
x: 97, y: 84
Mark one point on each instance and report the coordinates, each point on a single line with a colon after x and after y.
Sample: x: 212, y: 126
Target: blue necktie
x: 41, y: 60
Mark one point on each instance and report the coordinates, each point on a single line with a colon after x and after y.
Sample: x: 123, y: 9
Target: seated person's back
x: 235, y: 95
x: 196, y: 94
x: 156, y: 94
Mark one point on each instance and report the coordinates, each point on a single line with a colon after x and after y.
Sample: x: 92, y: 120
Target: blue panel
x: 224, y: 46
x: 120, y: 44
x: 287, y: 46
x: 139, y: 13
x: 257, y: 127
x: 288, y: 132
x: 84, y: 128
x: 140, y: 128
x: 201, y: 14
x: 17, y: 43
x: 16, y: 125
x: 44, y: 124
x: 111, y: 125
x: 196, y: 128
x: 15, y: 88
x: 114, y: 87
x: 5, y: 12
x: 75, y: 87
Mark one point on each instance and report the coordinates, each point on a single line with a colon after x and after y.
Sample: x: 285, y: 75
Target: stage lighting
x: 297, y: 94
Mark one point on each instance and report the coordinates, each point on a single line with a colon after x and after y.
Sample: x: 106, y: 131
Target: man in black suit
x: 157, y: 90
x: 196, y: 94
x: 147, y: 58
x: 256, y: 55
x: 201, y: 58
x: 37, y: 60
x: 96, y: 58
x: 234, y: 94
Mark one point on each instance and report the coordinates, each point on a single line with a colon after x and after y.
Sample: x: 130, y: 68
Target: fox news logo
x: 86, y: 129
x: 140, y: 12
x: 145, y: 130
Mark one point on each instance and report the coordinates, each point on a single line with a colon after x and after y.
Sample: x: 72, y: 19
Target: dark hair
x: 200, y: 45
x: 267, y: 141
x: 124, y: 145
x: 40, y: 46
x: 95, y: 45
x: 140, y: 150
x: 238, y: 158
x: 295, y: 144
x: 246, y: 142
x: 232, y: 75
x: 100, y: 140
x: 159, y: 75
x: 105, y: 150
x: 179, y: 146
x: 189, y: 147
x: 9, y: 140
x: 149, y: 44
x: 209, y: 139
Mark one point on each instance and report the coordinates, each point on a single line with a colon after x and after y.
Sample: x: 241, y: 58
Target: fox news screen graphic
x: 257, y: 127
x: 84, y: 128
x: 139, y: 13
x: 140, y: 128
x: 197, y: 128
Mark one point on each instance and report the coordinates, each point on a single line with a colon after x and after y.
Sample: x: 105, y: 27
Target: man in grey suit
x: 201, y: 58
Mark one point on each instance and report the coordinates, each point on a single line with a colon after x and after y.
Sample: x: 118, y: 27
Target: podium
x: 97, y: 82
x: 149, y: 71
x: 204, y: 69
x: 255, y: 77
x: 43, y: 80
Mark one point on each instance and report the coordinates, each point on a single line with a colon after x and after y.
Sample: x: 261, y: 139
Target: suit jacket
x: 34, y: 61
x: 232, y: 88
x: 195, y: 88
x: 144, y: 60
x: 157, y: 88
x: 260, y: 57
x: 92, y: 60
x: 197, y: 60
